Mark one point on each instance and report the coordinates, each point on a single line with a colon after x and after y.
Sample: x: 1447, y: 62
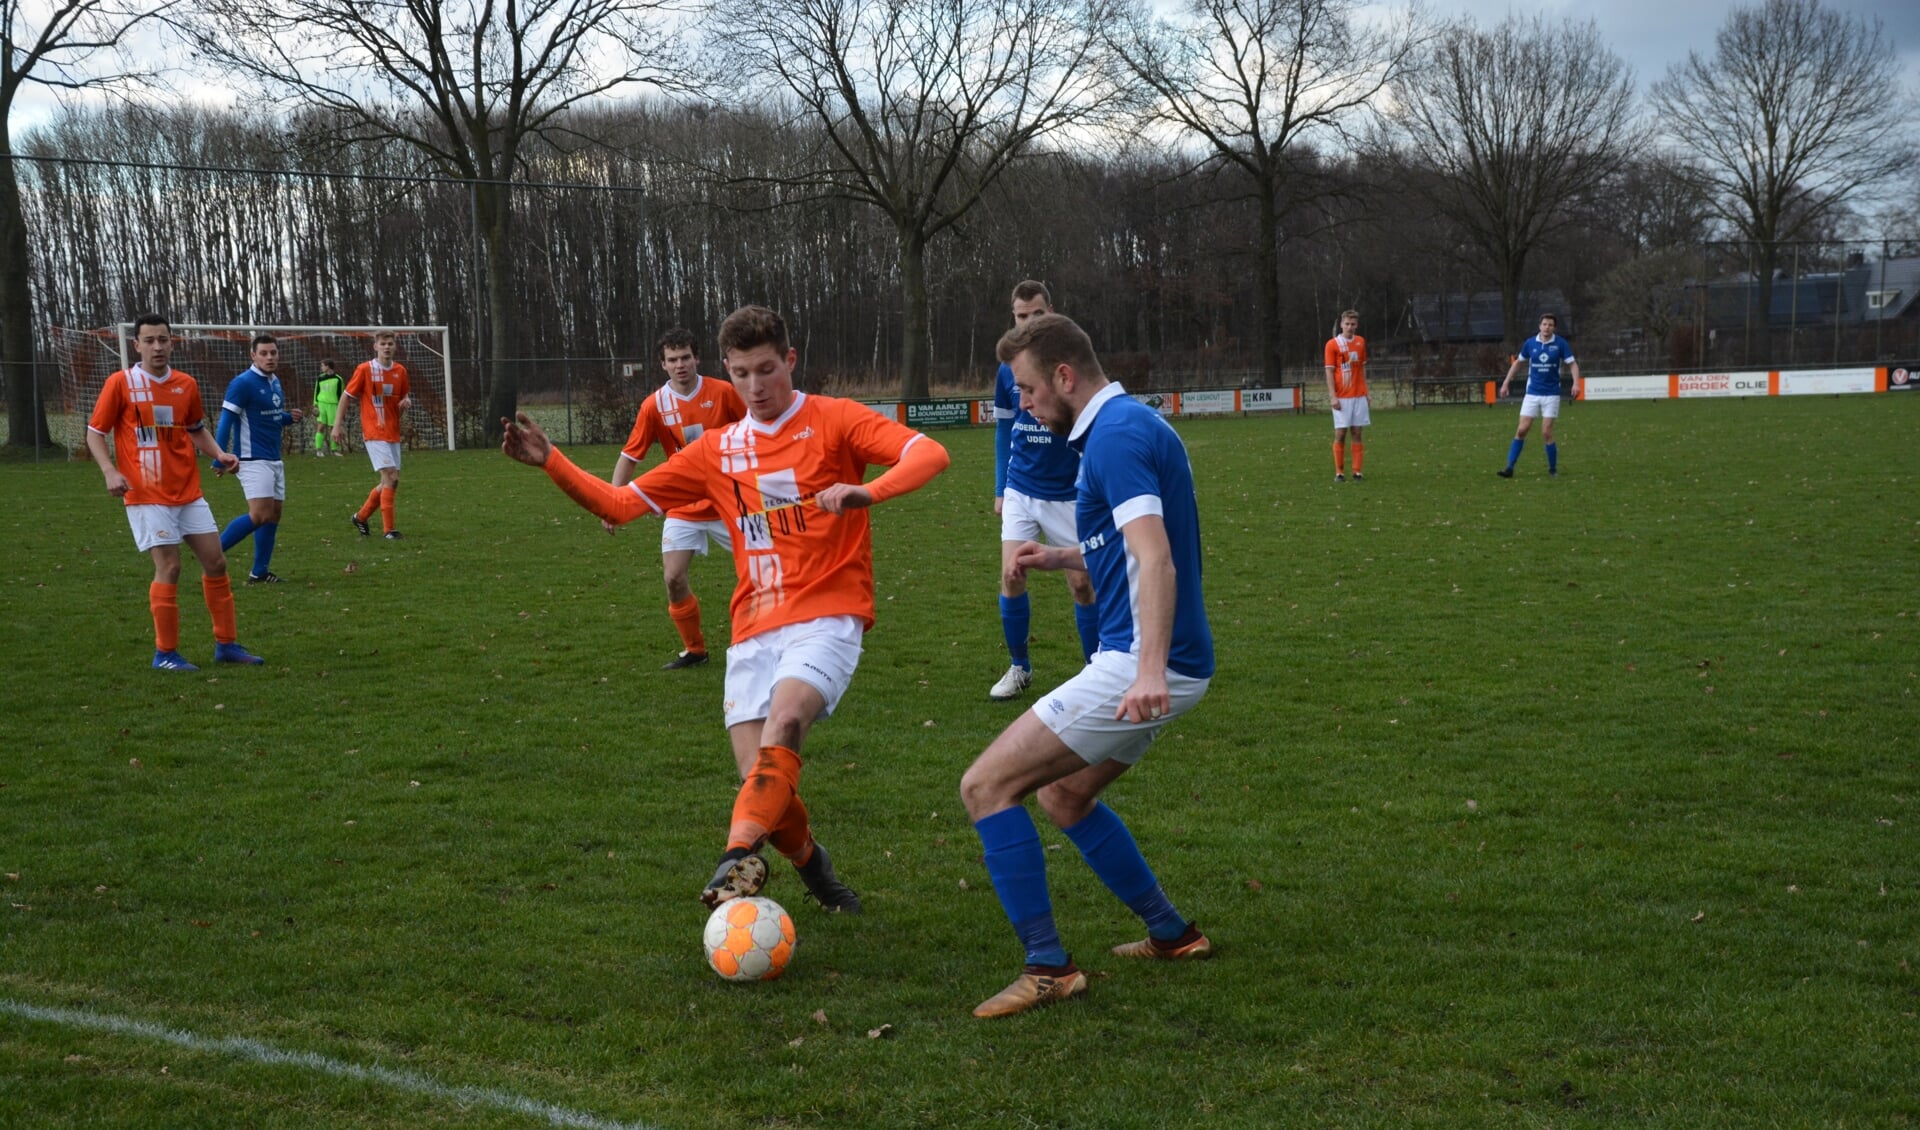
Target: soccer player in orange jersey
x: 382, y: 390
x: 1346, y: 356
x: 154, y: 415
x: 788, y: 478
x: 678, y: 413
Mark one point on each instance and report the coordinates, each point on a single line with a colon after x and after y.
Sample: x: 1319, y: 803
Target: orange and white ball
x: 749, y: 939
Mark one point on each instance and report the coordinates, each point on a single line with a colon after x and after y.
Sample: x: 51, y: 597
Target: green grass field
x: 1545, y: 803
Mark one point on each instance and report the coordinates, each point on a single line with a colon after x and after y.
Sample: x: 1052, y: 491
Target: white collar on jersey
x: 698, y: 382
x: 1092, y: 409
x: 771, y: 427
x: 149, y: 374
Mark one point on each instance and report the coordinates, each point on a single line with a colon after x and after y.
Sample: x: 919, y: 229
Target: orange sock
x: 793, y: 836
x: 1358, y: 452
x: 165, y: 602
x: 219, y: 593
x: 686, y: 617
x: 370, y: 505
x: 764, y: 796
x: 1340, y: 457
x: 386, y: 508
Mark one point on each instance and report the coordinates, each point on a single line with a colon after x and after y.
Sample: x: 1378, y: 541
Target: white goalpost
x: 215, y: 353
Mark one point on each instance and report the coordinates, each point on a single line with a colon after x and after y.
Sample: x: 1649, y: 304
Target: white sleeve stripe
x: 1138, y: 506
x: 1000, y: 413
x: 651, y: 504
x: 97, y: 431
x: 230, y: 406
x: 917, y: 437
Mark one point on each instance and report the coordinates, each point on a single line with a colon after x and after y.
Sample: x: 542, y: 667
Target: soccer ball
x: 749, y: 939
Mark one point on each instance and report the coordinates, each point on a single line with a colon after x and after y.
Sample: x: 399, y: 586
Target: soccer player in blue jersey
x: 252, y: 414
x: 1542, y: 355
x: 1139, y: 538
x: 1033, y: 472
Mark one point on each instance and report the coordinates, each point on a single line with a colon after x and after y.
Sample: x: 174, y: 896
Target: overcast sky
x: 1652, y: 35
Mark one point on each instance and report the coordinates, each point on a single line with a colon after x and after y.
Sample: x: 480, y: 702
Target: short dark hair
x: 146, y: 320
x: 263, y: 339
x: 1053, y: 340
x: 676, y: 338
x: 1026, y: 290
x: 751, y: 327
x: 327, y: 364
x: 1549, y: 316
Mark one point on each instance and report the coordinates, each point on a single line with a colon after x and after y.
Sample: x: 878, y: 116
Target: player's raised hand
x: 524, y: 441
x: 841, y: 497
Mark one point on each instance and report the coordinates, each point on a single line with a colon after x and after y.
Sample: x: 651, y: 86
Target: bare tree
x: 919, y: 106
x: 470, y: 86
x: 1266, y: 87
x: 57, y: 46
x: 1505, y: 129
x: 1799, y: 111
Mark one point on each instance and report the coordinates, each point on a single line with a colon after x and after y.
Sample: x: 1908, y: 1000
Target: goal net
x: 215, y: 354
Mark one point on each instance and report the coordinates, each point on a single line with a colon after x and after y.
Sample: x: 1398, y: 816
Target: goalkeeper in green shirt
x: 327, y: 388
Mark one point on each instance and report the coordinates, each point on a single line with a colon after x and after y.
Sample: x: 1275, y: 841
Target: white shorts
x: 1352, y: 412
x: 1548, y: 406
x: 820, y: 653
x: 170, y: 525
x: 1080, y: 710
x: 678, y: 533
x: 1025, y: 518
x: 384, y: 453
x: 263, y: 478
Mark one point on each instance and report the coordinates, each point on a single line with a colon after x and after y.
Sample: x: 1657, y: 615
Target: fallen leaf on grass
x: 819, y: 1016
x: 134, y: 761
x: 877, y: 1033
x: 1700, y: 917
x: 796, y: 1041
x: 1253, y: 884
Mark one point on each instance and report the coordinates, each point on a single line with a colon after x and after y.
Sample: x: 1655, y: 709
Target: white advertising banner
x: 1651, y: 387
x: 1208, y: 403
x: 889, y: 409
x: 1818, y: 382
x: 1165, y: 403
x: 1723, y: 384
x: 1268, y: 399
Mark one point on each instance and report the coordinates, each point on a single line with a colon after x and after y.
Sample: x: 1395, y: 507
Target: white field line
x: 254, y: 1050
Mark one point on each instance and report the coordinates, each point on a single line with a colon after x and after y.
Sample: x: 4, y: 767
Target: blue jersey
x: 1026, y: 456
x: 251, y: 416
x: 1133, y: 464
x: 1544, y: 359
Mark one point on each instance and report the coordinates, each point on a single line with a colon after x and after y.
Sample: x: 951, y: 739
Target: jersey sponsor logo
x: 804, y: 433
x: 1093, y: 543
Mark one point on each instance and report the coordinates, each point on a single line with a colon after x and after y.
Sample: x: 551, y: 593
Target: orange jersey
x: 150, y: 420
x: 1347, y: 357
x: 379, y: 392
x: 795, y: 562
x: 674, y: 421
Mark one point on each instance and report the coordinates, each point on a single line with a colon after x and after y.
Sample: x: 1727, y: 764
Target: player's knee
x: 677, y: 587
x: 982, y: 792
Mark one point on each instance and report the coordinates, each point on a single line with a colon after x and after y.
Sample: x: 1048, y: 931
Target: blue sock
x: 1015, y: 617
x: 1513, y: 453
x: 236, y: 532
x: 1086, y: 617
x: 1553, y: 458
x: 1109, y: 849
x: 263, y: 536
x: 1018, y: 866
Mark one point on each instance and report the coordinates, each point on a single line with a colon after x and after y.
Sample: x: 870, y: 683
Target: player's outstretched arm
x: 920, y: 461
x: 524, y: 441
